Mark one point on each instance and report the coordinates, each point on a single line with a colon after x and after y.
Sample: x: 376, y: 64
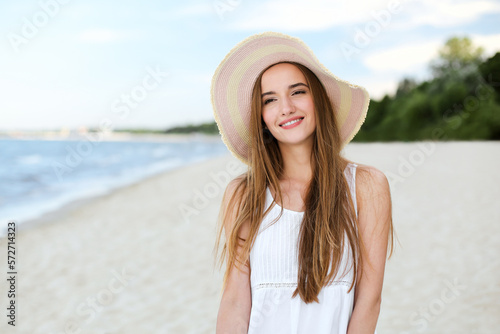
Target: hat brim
x: 234, y: 78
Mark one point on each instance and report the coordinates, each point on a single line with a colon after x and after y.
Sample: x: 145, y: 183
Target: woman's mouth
x: 292, y: 123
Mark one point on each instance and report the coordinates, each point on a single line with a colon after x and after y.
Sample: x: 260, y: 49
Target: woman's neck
x: 296, y: 163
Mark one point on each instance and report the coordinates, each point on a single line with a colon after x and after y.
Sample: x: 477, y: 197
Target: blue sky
x: 72, y: 64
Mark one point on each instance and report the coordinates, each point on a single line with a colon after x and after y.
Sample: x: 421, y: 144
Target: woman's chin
x: 293, y: 141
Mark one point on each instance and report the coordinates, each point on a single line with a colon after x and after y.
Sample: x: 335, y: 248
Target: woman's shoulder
x: 236, y: 186
x: 372, y: 185
x: 374, y: 202
x: 367, y: 175
x: 368, y: 171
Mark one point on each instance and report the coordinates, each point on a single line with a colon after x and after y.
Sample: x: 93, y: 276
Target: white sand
x: 131, y: 262
x: 445, y: 275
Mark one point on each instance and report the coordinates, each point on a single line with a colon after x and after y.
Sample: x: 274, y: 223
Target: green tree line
x: 206, y: 128
x: 460, y: 102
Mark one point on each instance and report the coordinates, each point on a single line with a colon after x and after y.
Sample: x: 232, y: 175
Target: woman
x: 307, y: 231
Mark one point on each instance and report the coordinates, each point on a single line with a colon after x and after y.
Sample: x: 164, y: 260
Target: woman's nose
x: 287, y: 106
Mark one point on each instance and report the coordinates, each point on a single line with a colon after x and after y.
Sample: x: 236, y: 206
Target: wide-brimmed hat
x: 233, y: 82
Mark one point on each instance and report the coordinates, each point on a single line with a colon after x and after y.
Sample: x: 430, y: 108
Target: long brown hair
x: 329, y: 214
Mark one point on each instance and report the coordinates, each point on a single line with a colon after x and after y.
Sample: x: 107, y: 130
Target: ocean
x: 39, y: 176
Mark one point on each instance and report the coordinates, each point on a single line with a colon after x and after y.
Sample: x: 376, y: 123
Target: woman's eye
x: 299, y: 92
x: 268, y: 100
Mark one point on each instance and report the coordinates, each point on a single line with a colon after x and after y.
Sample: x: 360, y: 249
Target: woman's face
x: 287, y: 104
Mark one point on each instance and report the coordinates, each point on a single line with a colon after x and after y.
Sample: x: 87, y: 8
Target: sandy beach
x: 139, y: 260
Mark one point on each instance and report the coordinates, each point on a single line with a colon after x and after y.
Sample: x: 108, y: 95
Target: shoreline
x: 73, y: 205
x: 114, y: 136
x: 69, y: 207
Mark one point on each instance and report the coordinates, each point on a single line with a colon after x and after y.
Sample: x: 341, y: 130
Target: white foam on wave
x: 31, y: 159
x: 88, y: 188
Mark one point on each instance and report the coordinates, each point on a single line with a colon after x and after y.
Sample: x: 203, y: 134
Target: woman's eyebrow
x: 289, y: 87
x: 297, y: 85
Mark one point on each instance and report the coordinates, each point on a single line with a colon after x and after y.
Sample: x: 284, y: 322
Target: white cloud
x: 295, y: 15
x: 402, y: 58
x: 377, y: 87
x: 490, y: 43
x: 406, y: 58
x: 317, y: 15
x: 447, y: 13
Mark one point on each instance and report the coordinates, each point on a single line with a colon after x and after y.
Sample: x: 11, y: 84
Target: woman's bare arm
x: 375, y: 218
x: 236, y: 302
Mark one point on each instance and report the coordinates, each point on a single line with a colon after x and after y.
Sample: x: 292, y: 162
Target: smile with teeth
x: 292, y: 122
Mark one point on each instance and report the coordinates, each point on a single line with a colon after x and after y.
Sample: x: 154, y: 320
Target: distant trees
x: 457, y: 55
x: 490, y: 71
x: 207, y: 128
x: 460, y: 102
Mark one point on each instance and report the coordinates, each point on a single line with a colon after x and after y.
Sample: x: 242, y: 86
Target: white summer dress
x: 273, y: 277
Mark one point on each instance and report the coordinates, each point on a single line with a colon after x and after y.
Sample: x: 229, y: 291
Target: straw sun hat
x: 233, y: 82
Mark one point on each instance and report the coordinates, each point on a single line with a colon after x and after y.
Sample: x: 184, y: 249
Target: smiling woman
x: 313, y: 263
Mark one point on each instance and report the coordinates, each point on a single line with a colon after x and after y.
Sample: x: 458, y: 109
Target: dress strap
x: 351, y: 180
